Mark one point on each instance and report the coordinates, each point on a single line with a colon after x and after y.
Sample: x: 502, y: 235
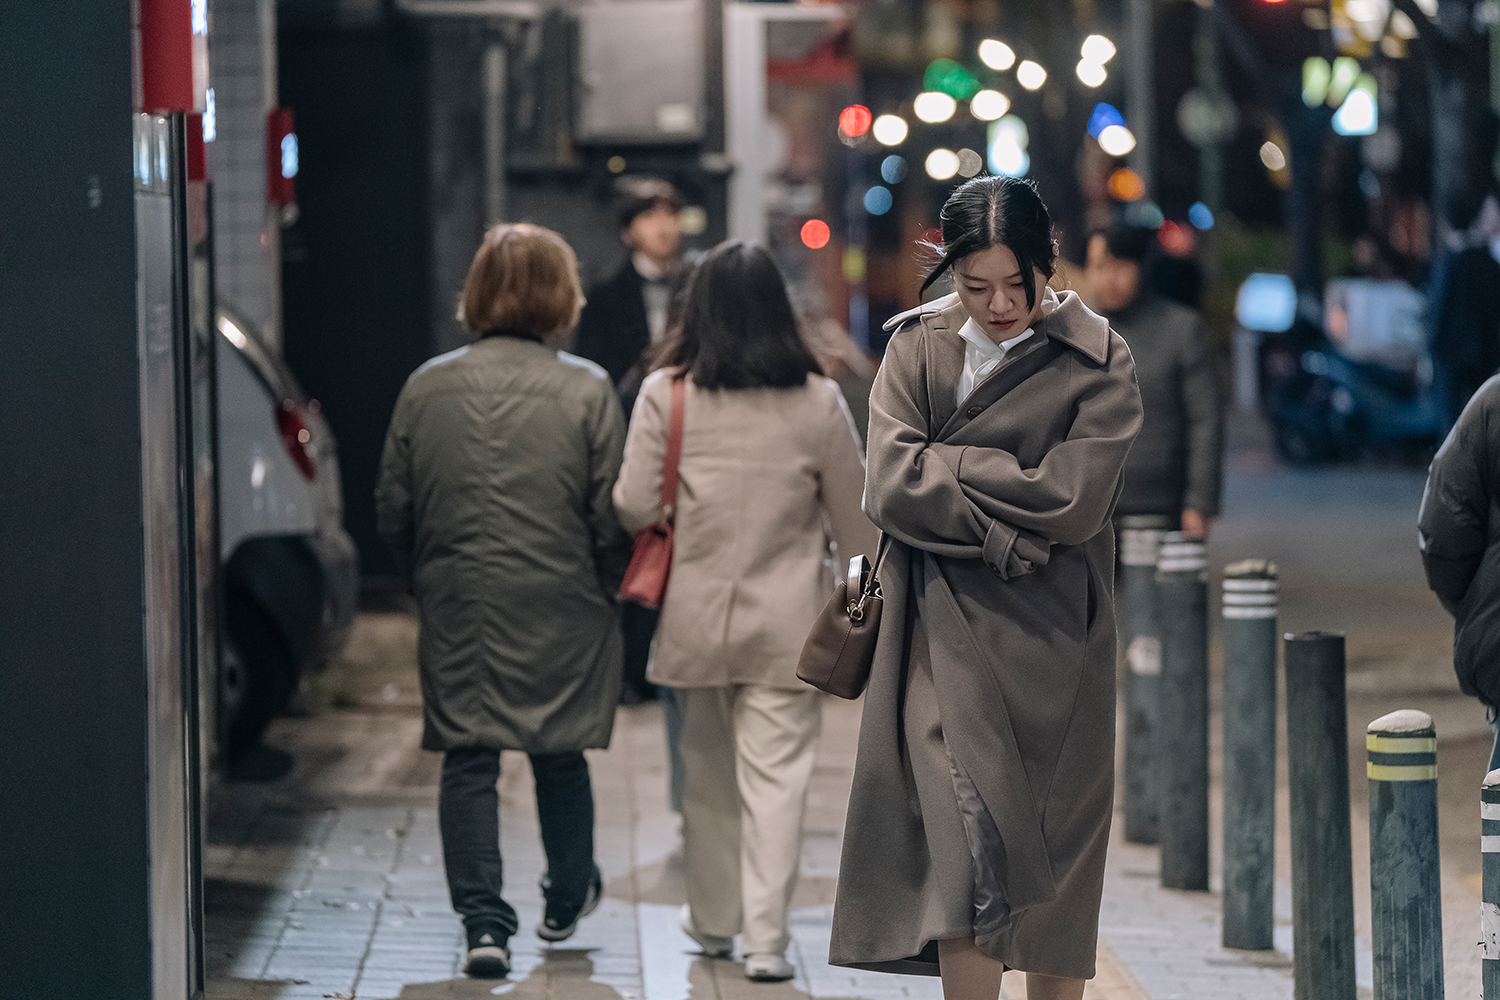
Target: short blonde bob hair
x: 523, y: 283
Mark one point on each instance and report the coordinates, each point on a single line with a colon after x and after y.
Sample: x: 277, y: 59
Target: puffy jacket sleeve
x: 606, y: 437
x: 841, y: 480
x: 1453, y: 526
x: 637, y: 494
x: 394, y: 516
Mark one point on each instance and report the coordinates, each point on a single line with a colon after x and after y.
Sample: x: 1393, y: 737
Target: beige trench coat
x: 984, y: 780
x: 767, y: 477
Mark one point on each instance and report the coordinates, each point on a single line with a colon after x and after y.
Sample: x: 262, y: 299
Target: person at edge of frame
x: 1459, y: 537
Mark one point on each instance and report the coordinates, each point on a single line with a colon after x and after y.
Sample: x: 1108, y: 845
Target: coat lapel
x: 1014, y: 370
x: 945, y: 360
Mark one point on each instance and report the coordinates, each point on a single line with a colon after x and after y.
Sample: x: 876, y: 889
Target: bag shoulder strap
x: 673, y: 458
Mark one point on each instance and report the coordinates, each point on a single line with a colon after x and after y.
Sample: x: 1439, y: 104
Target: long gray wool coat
x: 495, y: 490
x: 984, y: 781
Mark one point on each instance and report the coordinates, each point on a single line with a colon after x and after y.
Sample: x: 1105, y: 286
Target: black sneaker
x: 489, y: 958
x: 560, y: 922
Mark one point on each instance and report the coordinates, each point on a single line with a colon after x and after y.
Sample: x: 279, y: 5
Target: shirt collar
x: 986, y: 347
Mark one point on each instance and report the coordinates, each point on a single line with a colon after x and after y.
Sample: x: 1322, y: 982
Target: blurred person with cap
x: 627, y: 312
x: 496, y: 495
x: 1175, y: 469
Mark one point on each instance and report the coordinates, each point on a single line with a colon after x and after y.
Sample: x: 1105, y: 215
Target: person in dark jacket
x: 1458, y: 530
x: 627, y: 312
x: 495, y: 491
x: 625, y: 315
x: 1175, y: 469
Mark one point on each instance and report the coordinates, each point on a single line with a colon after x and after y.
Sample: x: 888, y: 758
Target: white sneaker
x: 712, y: 945
x: 766, y: 968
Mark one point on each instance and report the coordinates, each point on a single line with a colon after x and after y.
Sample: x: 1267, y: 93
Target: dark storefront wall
x: 355, y: 266
x: 76, y: 919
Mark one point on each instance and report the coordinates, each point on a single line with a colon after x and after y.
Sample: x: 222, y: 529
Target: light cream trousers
x: 747, y: 753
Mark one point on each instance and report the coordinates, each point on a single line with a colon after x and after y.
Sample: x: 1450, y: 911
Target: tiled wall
x: 247, y: 242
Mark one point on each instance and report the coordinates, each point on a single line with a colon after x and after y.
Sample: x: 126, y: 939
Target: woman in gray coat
x: 495, y: 492
x: 980, y: 811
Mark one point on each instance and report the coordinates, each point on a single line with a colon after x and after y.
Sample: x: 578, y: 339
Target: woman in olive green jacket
x: 495, y: 492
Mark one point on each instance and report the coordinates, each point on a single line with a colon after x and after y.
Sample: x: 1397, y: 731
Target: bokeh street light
x: 1009, y: 138
x: 1091, y: 74
x: 942, y: 164
x: 934, y: 106
x: 889, y: 130
x: 1030, y: 75
x: 1116, y: 140
x: 988, y: 105
x: 1098, y: 49
x: 996, y: 55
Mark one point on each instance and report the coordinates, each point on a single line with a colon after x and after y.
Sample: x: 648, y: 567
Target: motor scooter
x: 1356, y: 384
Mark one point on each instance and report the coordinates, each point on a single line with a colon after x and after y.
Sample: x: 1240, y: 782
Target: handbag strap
x: 669, y: 466
x: 883, y: 547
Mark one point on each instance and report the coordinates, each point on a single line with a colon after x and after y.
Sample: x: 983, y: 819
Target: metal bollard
x: 1489, y: 910
x: 1317, y: 735
x: 1406, y: 909
x: 1249, y: 755
x: 1140, y: 635
x: 1182, y: 587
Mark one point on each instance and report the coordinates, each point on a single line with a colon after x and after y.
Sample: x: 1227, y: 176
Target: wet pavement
x: 329, y: 883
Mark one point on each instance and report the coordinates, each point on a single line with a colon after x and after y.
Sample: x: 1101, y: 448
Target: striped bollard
x: 1183, y: 588
x: 1489, y: 910
x: 1140, y: 636
x: 1406, y: 910
x: 1317, y: 741
x: 1249, y: 755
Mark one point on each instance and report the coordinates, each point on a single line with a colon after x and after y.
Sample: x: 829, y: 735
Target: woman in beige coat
x: 980, y: 810
x: 770, y: 470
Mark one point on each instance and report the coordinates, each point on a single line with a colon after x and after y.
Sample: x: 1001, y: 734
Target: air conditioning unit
x: 640, y: 68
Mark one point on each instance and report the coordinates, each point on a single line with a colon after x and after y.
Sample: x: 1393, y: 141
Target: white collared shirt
x: 982, y: 356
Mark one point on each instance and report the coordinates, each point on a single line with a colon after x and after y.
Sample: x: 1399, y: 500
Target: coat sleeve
x: 606, y: 435
x: 394, y: 517
x: 637, y: 494
x: 913, y: 493
x: 1069, y: 496
x: 841, y: 481
x: 1205, y: 419
x: 1453, y: 526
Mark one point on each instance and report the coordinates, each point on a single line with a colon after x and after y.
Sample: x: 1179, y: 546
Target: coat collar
x: 1072, y: 323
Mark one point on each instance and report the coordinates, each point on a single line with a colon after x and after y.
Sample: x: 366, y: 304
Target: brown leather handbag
x: 645, y: 580
x: 841, y: 646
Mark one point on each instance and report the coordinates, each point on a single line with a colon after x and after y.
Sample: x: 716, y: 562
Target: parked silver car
x: 289, y: 572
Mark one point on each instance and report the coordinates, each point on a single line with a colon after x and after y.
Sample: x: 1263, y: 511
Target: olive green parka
x: 495, y: 494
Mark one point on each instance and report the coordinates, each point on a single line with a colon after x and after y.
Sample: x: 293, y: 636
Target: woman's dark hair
x: 997, y: 211
x: 738, y: 330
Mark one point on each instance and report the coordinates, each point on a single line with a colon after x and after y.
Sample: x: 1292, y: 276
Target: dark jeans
x: 469, y: 821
